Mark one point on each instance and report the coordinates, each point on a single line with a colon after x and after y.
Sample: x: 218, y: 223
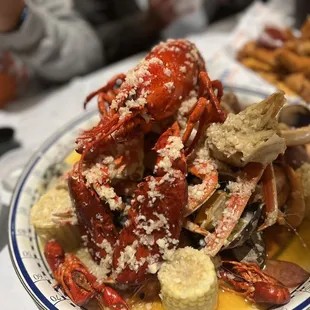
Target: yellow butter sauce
x: 282, y: 244
x: 72, y: 158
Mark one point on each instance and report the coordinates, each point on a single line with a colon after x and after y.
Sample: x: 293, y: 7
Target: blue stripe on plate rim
x: 40, y: 300
x: 303, y: 305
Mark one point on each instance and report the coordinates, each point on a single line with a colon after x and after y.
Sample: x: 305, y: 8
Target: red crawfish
x: 251, y: 282
x: 151, y: 92
x: 159, y: 201
x: 155, y: 216
x: 77, y: 282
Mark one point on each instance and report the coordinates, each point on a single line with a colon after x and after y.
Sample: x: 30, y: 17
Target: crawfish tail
x: 274, y: 294
x: 95, y: 218
x: 54, y: 254
x: 155, y: 217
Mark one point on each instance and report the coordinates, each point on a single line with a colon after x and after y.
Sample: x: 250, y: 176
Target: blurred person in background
x: 60, y: 39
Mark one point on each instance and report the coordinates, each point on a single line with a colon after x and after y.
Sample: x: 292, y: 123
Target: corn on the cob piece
x: 55, y: 200
x: 188, y: 281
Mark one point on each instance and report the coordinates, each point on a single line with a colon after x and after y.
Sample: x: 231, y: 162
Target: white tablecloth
x: 36, y: 118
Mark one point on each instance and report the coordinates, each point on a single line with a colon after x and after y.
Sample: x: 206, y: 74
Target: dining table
x: 35, y: 118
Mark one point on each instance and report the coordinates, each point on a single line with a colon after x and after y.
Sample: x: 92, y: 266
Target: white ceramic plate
x: 27, y: 258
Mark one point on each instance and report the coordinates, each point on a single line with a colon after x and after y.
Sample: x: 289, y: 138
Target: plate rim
x: 37, y: 296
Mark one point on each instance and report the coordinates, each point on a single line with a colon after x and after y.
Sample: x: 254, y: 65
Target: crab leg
x: 202, y: 167
x: 299, y: 136
x: 240, y: 193
x: 195, y: 228
x: 200, y: 193
x: 296, y: 208
x: 271, y: 200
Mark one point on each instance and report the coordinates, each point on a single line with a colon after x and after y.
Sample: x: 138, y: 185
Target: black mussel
x: 223, y: 185
x: 246, y: 225
x: 296, y: 156
x: 120, y: 219
x: 230, y: 102
x: 252, y: 251
x: 295, y: 115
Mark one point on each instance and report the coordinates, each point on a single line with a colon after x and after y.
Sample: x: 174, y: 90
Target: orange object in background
x: 12, y: 76
x: 8, y: 88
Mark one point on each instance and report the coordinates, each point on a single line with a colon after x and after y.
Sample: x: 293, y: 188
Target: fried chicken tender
x: 275, y: 79
x: 271, y: 77
x: 247, y: 50
x: 250, y: 50
x: 256, y: 65
x: 303, y: 48
x: 286, y: 67
x: 299, y: 83
x: 299, y: 47
x: 305, y: 29
x: 293, y: 62
x: 288, y: 34
x: 266, y: 56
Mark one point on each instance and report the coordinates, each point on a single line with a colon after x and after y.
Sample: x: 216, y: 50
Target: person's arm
x: 53, y: 40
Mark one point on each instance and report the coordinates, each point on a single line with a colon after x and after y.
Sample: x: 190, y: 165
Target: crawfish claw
x: 110, y: 298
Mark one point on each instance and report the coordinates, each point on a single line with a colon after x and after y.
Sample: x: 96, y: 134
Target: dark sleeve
x: 127, y: 36
x: 226, y: 8
x: 122, y: 28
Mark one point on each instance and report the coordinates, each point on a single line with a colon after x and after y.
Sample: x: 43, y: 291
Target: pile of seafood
x: 282, y: 57
x: 173, y: 190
